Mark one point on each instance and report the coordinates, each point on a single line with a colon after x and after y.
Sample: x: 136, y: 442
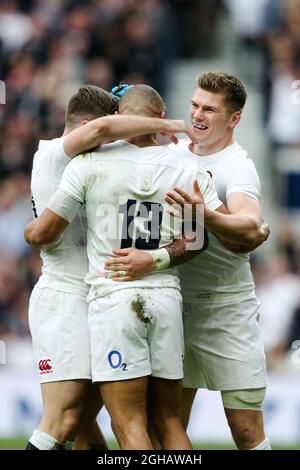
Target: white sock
x: 43, y: 441
x: 264, y: 445
x: 69, y: 445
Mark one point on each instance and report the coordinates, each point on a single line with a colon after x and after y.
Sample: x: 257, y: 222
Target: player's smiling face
x: 210, y: 119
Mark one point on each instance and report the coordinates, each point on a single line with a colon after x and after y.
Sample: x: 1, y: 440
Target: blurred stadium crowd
x: 47, y: 49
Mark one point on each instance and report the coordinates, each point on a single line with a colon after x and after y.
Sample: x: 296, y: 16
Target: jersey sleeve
x: 64, y: 205
x: 74, y: 178
x: 49, y: 163
x: 208, y: 191
x: 62, y: 159
x: 54, y: 159
x: 243, y: 178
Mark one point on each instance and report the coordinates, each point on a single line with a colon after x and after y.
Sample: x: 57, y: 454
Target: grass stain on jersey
x: 93, y: 180
x: 138, y: 305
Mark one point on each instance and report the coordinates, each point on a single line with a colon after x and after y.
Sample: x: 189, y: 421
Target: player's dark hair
x: 89, y: 102
x: 232, y: 89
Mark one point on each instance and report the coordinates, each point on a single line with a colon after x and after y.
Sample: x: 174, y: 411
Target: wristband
x: 161, y: 258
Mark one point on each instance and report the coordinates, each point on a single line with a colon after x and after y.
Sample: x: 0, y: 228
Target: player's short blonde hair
x: 89, y: 102
x: 142, y: 100
x: 232, y: 89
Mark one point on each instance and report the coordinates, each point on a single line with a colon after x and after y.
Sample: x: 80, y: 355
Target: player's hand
x: 191, y: 134
x: 129, y: 264
x: 173, y: 126
x: 181, y: 126
x: 185, y: 205
x: 165, y: 139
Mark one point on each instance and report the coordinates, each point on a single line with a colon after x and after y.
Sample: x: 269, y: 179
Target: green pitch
x: 19, y: 443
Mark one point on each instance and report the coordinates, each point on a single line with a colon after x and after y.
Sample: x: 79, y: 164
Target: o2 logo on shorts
x: 115, y: 360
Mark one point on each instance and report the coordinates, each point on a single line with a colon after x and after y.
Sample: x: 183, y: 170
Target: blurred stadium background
x: 47, y: 49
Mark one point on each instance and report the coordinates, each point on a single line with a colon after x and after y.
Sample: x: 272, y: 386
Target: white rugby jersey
x: 65, y: 261
x: 123, y: 189
x: 217, y: 270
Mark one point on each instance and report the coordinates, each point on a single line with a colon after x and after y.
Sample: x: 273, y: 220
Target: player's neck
x: 66, y: 131
x: 206, y: 149
x: 144, y: 141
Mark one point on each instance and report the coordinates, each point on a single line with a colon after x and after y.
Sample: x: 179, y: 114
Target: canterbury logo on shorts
x: 45, y: 366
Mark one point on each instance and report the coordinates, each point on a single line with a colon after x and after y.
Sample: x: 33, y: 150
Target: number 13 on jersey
x: 141, y: 224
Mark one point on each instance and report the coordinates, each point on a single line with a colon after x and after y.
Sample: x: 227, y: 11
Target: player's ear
x: 117, y: 112
x: 235, y: 119
x: 84, y: 121
x: 163, y: 114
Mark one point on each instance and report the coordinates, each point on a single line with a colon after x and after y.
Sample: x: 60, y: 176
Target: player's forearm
x: 115, y: 127
x: 34, y: 236
x: 126, y: 127
x: 242, y: 229
x: 234, y: 247
x: 180, y: 252
x: 130, y: 264
x: 45, y: 229
x: 28, y: 232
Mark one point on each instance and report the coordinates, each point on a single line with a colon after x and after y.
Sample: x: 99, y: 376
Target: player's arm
x: 62, y: 207
x: 45, y: 229
x: 243, y: 225
x: 249, y: 230
x: 93, y: 133
x: 180, y: 250
x: 130, y: 264
x: 263, y: 234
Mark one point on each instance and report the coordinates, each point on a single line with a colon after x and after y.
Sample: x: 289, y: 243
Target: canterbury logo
x: 44, y: 366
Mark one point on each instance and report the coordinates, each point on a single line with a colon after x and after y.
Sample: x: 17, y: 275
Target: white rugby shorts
x: 59, y: 327
x: 223, y: 345
x: 137, y: 332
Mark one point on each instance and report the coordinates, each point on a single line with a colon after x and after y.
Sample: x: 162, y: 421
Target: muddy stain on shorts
x: 138, y: 305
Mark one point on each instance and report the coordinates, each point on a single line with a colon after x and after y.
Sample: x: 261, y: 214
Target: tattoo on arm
x: 179, y: 253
